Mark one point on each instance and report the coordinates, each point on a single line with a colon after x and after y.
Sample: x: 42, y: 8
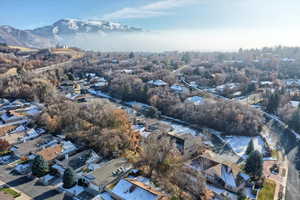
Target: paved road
x: 293, y: 184
x: 30, y: 187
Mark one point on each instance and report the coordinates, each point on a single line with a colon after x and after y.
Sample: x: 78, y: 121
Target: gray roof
x: 104, y: 175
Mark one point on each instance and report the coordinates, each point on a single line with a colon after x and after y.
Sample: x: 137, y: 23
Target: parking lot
x: 30, y: 187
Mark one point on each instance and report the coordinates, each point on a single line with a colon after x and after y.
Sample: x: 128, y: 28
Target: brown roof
x: 4, y: 196
x: 51, y: 153
x: 32, y: 146
x: 215, y: 170
x: 147, y: 188
x: 4, y: 129
x: 14, y: 138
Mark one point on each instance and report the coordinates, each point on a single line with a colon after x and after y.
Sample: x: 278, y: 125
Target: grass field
x: 268, y: 191
x: 10, y: 192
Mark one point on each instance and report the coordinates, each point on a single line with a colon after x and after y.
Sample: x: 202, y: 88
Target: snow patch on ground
x: 239, y: 144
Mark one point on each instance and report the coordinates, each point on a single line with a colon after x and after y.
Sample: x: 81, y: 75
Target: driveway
x: 29, y: 187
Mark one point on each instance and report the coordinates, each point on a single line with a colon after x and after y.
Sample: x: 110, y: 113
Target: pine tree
x: 254, y: 164
x: 69, y: 178
x: 250, y: 147
x: 131, y: 55
x: 40, y: 166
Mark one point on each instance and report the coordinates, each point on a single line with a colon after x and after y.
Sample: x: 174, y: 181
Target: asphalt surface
x: 293, y: 184
x: 30, y: 187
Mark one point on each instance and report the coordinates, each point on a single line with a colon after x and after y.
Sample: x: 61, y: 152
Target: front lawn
x: 10, y: 192
x: 268, y: 191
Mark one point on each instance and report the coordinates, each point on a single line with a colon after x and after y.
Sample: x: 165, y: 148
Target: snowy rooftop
x: 195, y: 99
x: 130, y: 191
x: 157, y: 82
x: 295, y: 104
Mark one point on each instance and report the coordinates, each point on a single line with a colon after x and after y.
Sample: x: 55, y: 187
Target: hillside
x: 51, y: 35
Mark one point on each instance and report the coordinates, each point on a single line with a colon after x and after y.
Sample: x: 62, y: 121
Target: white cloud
x: 188, y: 40
x: 155, y: 9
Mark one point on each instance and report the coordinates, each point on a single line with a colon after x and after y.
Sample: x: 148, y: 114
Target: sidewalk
x: 23, y: 195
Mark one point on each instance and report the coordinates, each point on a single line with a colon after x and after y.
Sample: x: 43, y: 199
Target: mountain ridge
x: 50, y: 35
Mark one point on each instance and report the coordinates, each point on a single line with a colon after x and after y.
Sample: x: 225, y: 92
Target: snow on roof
x: 245, y: 176
x: 177, y: 88
x: 295, y: 104
x: 33, y: 111
x: 106, y: 196
x: 130, y: 191
x: 59, y: 168
x: 228, y: 176
x: 195, y: 99
x: 157, y: 82
x: 288, y: 60
x: 99, y: 93
x: 76, y: 190
x: 100, y: 84
x: 290, y: 82
x: 266, y: 82
x: 22, y: 167
x: 30, y: 134
x: 19, y: 129
x: 47, y: 177
x: 135, y: 103
x: 8, y: 118
x: 228, y: 85
x: 68, y: 147
x: 222, y: 191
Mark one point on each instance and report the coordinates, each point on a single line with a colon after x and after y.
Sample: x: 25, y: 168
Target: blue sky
x: 173, y: 24
x: 156, y: 14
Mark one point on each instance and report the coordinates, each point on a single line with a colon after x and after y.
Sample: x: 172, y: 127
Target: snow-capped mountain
x: 74, y: 26
x: 50, y: 35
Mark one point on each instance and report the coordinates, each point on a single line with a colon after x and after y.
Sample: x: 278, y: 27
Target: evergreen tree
x: 273, y: 102
x: 250, y: 147
x: 254, y: 164
x: 40, y: 166
x: 69, y: 178
x: 131, y: 55
x: 186, y: 58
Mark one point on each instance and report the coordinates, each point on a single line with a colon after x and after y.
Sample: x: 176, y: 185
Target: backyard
x: 267, y: 192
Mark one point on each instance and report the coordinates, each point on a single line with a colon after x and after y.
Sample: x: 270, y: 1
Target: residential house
x: 10, y: 117
x: 197, y: 100
x: 179, y: 89
x: 62, y: 149
x: 29, y: 148
x: 76, y: 162
x: 157, y: 83
x: 132, y: 189
x: 3, y: 102
x: 219, y: 173
x: 107, y: 173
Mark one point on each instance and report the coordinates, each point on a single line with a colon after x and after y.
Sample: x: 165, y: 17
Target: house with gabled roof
x: 106, y: 173
x: 132, y: 189
x: 76, y: 162
x: 222, y: 174
x: 64, y: 148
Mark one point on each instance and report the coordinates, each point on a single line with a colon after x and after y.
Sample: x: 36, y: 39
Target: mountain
x: 26, y: 38
x: 53, y: 34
